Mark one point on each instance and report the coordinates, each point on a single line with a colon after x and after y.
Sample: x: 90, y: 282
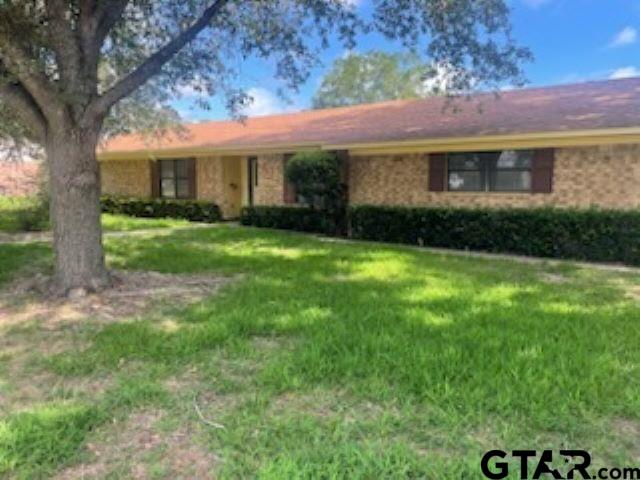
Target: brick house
x: 19, y: 179
x: 566, y: 146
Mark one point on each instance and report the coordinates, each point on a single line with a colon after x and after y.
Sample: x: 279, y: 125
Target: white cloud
x: 351, y: 3
x: 265, y: 102
x: 626, y: 36
x: 195, y: 88
x: 625, y: 72
x: 535, y: 3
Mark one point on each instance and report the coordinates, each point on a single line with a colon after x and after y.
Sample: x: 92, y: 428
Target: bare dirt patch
x: 627, y: 427
x: 138, y: 449
x: 634, y: 293
x: 34, y: 326
x: 325, y: 404
x: 554, y: 278
x: 627, y: 434
x: 133, y: 293
x: 201, y: 401
x: 17, y: 393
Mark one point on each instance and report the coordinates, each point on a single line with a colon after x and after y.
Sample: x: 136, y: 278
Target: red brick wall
x: 19, y: 179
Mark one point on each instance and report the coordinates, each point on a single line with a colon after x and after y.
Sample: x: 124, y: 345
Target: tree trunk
x: 74, y: 178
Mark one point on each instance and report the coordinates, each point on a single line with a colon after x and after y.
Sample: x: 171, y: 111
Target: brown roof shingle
x: 585, y: 106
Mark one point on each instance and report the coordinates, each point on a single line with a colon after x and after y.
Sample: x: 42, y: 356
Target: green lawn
x: 124, y: 223
x: 11, y: 209
x: 331, y: 360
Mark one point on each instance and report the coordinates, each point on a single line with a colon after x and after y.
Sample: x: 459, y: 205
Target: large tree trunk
x: 74, y: 178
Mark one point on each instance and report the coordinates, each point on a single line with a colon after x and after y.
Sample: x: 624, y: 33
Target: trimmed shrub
x: 318, y: 182
x: 192, y: 210
x: 594, y: 235
x: 303, y: 219
x: 316, y: 176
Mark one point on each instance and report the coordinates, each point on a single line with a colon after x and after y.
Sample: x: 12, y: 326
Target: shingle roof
x: 584, y: 106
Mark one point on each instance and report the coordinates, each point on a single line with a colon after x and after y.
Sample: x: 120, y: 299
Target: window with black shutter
x: 498, y: 171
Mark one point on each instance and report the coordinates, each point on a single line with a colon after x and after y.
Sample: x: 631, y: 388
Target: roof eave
x: 570, y: 138
x: 205, y: 151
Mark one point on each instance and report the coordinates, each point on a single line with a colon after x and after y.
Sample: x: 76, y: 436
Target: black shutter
x: 192, y: 177
x: 542, y: 170
x: 289, y: 193
x: 437, y: 171
x: 154, y: 169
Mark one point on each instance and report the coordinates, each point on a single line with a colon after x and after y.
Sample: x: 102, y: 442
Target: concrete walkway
x: 46, y: 237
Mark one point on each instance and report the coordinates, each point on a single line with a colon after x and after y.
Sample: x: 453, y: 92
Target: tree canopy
x: 120, y: 46
x: 373, y: 77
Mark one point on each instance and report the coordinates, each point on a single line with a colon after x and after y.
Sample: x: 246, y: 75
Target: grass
x: 124, y: 223
x: 13, y: 210
x: 341, y: 360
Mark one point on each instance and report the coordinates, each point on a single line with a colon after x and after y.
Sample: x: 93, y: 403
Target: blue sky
x: 572, y: 41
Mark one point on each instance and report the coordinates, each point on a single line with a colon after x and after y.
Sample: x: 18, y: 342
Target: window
x: 176, y: 178
x: 505, y: 171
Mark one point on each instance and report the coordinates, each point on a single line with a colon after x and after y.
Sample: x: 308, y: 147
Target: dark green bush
x: 318, y: 182
x: 303, y: 219
x: 595, y: 235
x: 316, y: 176
x: 34, y: 218
x: 193, y: 210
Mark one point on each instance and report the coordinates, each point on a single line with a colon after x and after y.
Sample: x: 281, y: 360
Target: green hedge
x: 303, y: 219
x: 595, y: 235
x: 193, y: 210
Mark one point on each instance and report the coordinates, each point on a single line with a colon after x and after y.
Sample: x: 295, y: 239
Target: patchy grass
x: 334, y: 360
x: 13, y: 208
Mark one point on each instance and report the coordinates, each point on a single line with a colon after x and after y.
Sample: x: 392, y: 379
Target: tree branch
x: 64, y: 43
x: 108, y: 14
x: 17, y: 98
x: 18, y: 63
x: 21, y: 38
x: 152, y: 65
x: 97, y: 19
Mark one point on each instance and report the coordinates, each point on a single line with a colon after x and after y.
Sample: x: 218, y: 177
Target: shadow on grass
x: 467, y: 341
x: 477, y: 338
x: 18, y: 259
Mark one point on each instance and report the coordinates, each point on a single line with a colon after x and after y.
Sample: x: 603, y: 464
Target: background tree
x: 65, y: 64
x: 372, y: 77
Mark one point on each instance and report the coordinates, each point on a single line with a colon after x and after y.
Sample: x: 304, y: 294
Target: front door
x: 232, y: 171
